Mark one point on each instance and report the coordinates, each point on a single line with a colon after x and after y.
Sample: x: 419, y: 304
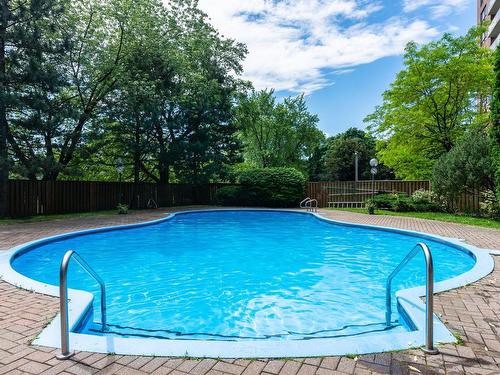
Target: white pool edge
x: 409, y: 300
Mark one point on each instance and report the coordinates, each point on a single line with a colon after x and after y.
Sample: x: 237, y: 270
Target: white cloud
x: 296, y: 44
x: 438, y: 9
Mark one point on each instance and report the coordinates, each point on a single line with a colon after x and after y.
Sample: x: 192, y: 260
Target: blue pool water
x: 233, y: 275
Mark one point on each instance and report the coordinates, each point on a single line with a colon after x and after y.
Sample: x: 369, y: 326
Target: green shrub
x: 122, y: 209
x: 393, y: 202
x: 230, y: 196
x: 421, y: 200
x: 272, y: 187
x: 370, y: 206
x: 489, y: 206
x: 426, y: 201
x: 403, y: 203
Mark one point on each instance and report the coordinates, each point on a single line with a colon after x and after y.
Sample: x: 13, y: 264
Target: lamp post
x: 373, y: 171
x: 120, y: 168
x: 356, y: 162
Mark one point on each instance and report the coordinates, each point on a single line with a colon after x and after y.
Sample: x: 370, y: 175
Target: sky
x: 342, y: 54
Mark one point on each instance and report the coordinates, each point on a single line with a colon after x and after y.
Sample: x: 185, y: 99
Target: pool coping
x: 408, y: 299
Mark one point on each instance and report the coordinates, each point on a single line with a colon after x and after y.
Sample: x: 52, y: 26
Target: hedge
x: 265, y: 187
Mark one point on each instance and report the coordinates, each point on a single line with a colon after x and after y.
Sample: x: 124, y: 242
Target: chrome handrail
x: 63, y: 298
x: 304, y: 202
x: 310, y: 207
x: 429, y: 296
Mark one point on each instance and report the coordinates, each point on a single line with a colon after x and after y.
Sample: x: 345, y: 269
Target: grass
x: 35, y: 219
x: 439, y: 216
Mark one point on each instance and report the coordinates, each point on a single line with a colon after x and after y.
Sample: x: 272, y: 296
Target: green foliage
x: 427, y: 201
x: 339, y: 157
x: 122, y: 209
x: 370, y: 206
x: 441, y: 216
x: 269, y: 187
x: 30, y: 54
x: 422, y: 196
x: 431, y: 102
x: 83, y: 43
x: 152, y: 83
x: 467, y: 167
x: 393, y: 202
x: 494, y: 132
x: 230, y: 196
x: 421, y: 201
x: 273, y: 187
x: 277, y: 134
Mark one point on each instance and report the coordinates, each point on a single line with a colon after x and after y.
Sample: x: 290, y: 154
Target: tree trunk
x: 137, y: 164
x: 163, y: 168
x: 4, y: 162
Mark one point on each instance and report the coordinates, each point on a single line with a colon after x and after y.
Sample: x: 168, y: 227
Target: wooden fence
x: 29, y: 198
x: 355, y: 194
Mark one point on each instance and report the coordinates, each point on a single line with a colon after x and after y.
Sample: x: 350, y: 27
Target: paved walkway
x: 473, y: 312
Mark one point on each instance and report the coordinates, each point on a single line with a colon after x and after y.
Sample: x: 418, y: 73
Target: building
x: 488, y: 10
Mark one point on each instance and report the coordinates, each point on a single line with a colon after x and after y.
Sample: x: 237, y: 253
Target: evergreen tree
x: 23, y: 62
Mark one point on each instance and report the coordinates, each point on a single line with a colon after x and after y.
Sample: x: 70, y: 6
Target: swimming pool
x: 244, y: 277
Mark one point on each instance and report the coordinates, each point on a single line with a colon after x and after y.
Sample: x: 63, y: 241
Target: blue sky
x: 342, y: 53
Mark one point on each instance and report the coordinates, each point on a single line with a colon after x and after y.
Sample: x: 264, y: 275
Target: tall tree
x: 47, y: 132
x: 24, y: 56
x: 202, y: 129
x: 432, y: 101
x: 172, y: 112
x: 494, y: 132
x: 277, y: 134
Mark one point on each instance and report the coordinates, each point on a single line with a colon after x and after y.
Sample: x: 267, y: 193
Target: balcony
x: 494, y: 28
x: 493, y: 7
x: 494, y: 45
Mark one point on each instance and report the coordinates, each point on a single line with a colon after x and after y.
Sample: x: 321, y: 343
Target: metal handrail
x: 310, y: 207
x: 304, y: 202
x: 63, y: 298
x: 429, y: 296
x: 307, y: 203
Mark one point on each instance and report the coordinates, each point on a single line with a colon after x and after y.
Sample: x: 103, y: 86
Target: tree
x: 431, y: 102
x: 494, y: 130
x: 340, y: 155
x: 171, y: 114
x: 466, y: 168
x: 338, y: 158
x: 201, y: 124
x: 277, y: 134
x: 47, y: 131
x: 24, y: 62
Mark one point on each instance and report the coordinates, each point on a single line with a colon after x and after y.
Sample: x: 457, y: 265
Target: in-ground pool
x: 243, y: 275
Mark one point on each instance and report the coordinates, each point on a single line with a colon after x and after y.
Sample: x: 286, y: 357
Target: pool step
x: 350, y: 330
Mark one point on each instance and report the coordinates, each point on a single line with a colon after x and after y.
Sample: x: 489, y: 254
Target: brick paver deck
x: 473, y: 312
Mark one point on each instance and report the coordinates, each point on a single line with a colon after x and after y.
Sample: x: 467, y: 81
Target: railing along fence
x: 354, y: 194
x: 30, y: 198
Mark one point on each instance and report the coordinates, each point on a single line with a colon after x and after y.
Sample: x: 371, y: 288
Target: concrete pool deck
x: 473, y: 312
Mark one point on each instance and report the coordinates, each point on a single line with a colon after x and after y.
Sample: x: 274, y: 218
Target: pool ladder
x: 309, y: 204
x: 306, y: 203
x: 429, y: 295
x: 63, y: 298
